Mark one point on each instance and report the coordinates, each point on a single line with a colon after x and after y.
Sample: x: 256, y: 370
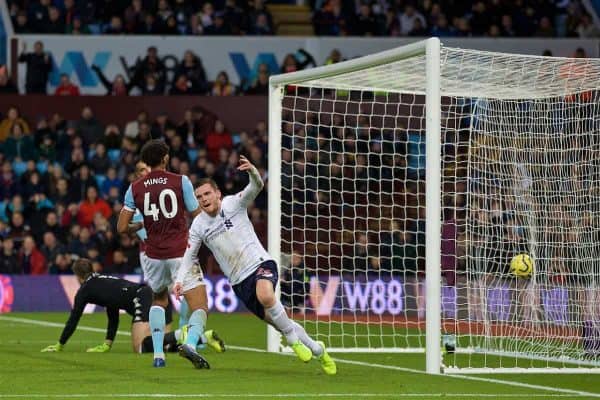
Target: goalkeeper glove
x: 53, y: 348
x: 101, y: 348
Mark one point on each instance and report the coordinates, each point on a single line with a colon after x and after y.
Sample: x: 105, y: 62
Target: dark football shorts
x: 246, y: 289
x: 142, y: 303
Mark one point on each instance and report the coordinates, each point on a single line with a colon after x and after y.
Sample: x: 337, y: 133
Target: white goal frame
x: 431, y: 48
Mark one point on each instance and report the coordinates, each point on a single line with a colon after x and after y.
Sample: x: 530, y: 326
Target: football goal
x: 403, y: 183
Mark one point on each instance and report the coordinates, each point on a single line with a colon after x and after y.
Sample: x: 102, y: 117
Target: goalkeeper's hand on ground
x: 53, y: 348
x: 101, y: 348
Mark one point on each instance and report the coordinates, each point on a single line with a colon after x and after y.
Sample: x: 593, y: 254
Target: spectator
x: 51, y: 225
x: 365, y: 21
x: 8, y: 258
x: 334, y: 57
x: 90, y: 206
x: 6, y: 84
x: 99, y: 161
x: 31, y: 260
x: 260, y: 86
x: 181, y: 86
x: 9, y: 183
x: 19, y: 145
x: 18, y: 229
x: 150, y: 71
x: 189, y: 130
x: 21, y: 23
x: 115, y: 27
x: 408, y: 17
x: 62, y: 194
x: 222, y: 86
x: 586, y: 28
x: 134, y: 16
x: 66, y: 87
x: 545, y: 28
x: 39, y: 66
x: 480, y: 19
x: 149, y: 26
x: 216, y: 140
x: 51, y: 249
x: 333, y: 19
x: 112, y: 137
x: 191, y: 66
x: 261, y: 26
x: 111, y: 181
x: 440, y: 27
x: 70, y: 12
x: 418, y: 29
x: 39, y: 11
x: 61, y: 265
x: 133, y: 127
x: 81, y: 181
x: 77, y: 27
x: 56, y: 24
x: 120, y: 264
x: 88, y: 127
x: 118, y: 87
x: 161, y: 124
x: 80, y: 245
x: 12, y: 118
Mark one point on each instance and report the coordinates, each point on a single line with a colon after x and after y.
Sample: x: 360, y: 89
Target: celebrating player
x: 163, y: 198
x: 224, y: 227
x: 137, y: 227
x: 119, y: 294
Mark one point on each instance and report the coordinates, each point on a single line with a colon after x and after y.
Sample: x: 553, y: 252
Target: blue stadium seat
x: 114, y: 155
x: 192, y: 155
x: 19, y: 167
x: 42, y: 167
x: 100, y: 179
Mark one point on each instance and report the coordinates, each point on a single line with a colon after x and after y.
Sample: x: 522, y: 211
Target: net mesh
x: 520, y: 168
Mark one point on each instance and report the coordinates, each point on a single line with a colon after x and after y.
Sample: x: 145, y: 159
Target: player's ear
x: 166, y: 160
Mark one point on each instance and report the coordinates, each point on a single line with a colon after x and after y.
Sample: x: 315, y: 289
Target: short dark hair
x: 208, y: 181
x: 153, y: 152
x: 82, y: 268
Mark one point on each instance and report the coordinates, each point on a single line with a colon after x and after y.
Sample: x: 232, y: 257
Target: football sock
x: 184, y: 313
x: 281, y: 321
x: 308, y: 342
x: 196, y: 327
x: 157, y: 327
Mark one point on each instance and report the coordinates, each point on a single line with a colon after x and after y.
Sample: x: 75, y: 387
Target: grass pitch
x: 244, y: 371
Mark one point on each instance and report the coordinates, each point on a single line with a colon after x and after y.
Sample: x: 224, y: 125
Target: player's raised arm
x: 255, y: 185
x: 189, y: 198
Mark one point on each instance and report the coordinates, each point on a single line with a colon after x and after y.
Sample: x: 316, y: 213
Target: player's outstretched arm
x: 255, y: 185
x: 70, y: 326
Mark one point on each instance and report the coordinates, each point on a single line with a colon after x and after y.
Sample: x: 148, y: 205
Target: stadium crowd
x: 62, y: 182
x: 494, y: 18
x: 150, y: 76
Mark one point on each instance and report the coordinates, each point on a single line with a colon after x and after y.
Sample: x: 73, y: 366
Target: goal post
x: 402, y: 183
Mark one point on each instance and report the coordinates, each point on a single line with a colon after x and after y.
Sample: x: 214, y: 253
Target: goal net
x: 402, y: 184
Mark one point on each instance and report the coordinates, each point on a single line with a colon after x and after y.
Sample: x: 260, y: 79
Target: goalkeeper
x: 119, y: 294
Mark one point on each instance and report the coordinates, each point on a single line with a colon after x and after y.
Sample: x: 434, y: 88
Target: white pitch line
x: 285, y: 395
x: 571, y: 392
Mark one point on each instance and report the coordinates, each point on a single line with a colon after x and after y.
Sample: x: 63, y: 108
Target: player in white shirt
x: 224, y: 227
